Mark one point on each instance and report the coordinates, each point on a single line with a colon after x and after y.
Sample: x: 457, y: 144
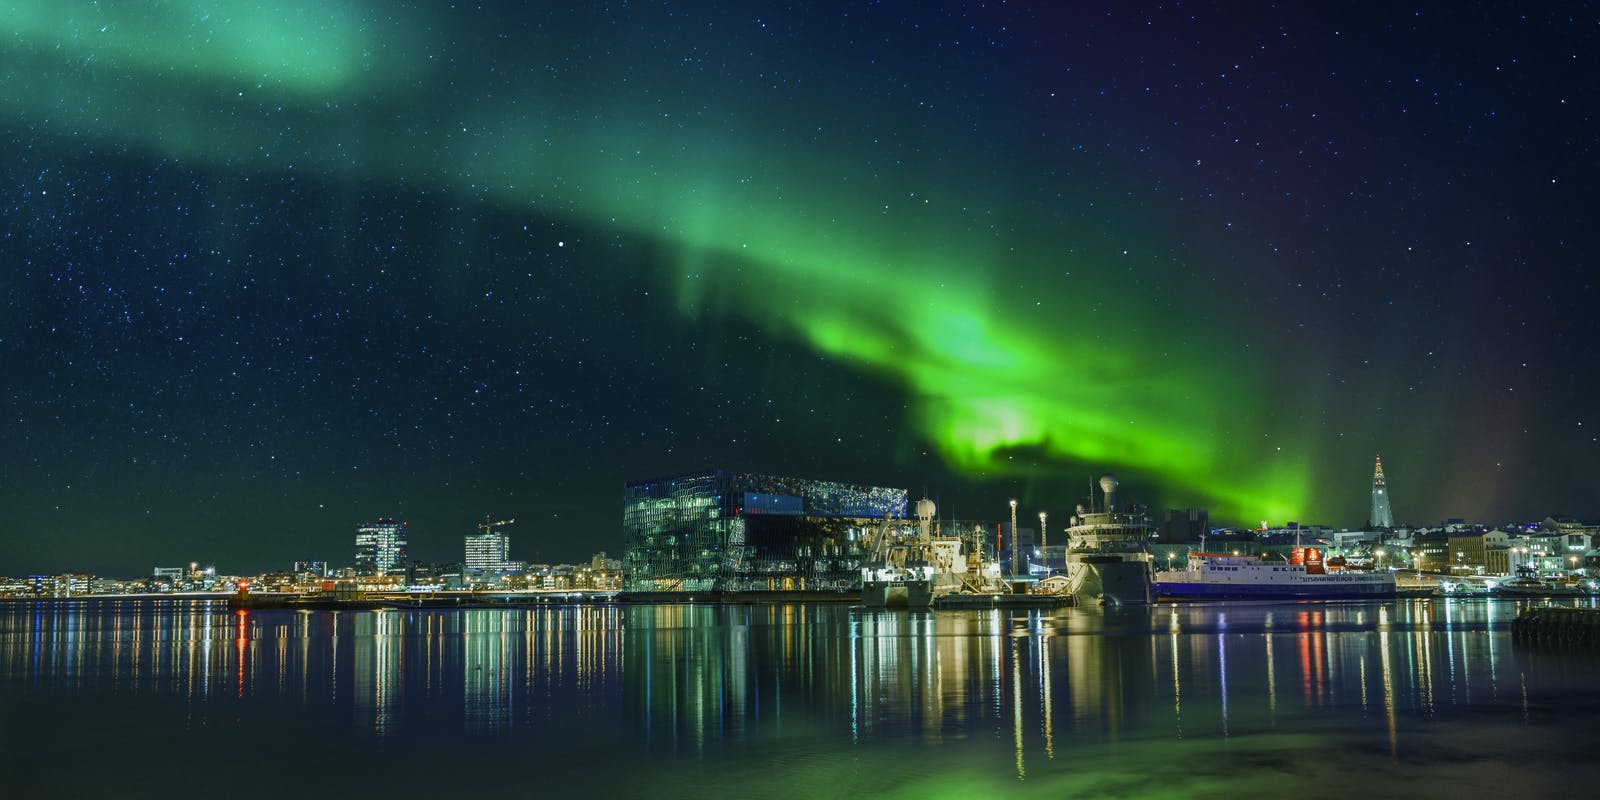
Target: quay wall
x: 1557, y: 627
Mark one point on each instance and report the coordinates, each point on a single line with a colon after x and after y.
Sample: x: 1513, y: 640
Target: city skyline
x: 477, y: 539
x: 275, y: 273
x: 486, y: 547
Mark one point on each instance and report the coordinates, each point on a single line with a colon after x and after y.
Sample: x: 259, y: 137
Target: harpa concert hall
x: 731, y: 531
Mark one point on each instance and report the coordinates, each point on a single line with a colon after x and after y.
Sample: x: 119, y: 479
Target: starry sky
x: 273, y: 269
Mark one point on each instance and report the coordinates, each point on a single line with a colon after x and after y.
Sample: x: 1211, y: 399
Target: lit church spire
x: 1382, y: 516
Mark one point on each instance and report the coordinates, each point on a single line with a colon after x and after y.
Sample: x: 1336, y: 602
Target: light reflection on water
x: 821, y: 700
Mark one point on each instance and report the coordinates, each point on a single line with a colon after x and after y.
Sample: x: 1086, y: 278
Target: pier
x: 1557, y: 627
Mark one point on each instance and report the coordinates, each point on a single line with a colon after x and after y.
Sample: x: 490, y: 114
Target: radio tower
x: 1382, y: 516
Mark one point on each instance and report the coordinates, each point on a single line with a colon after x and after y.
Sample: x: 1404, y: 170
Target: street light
x: 1380, y: 557
x: 1044, y: 543
x: 1013, y: 538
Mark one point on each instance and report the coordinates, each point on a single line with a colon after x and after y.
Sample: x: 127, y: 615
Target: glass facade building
x: 730, y: 531
x: 380, y: 547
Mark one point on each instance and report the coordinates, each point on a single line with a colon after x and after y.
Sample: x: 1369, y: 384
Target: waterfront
x: 1416, y: 698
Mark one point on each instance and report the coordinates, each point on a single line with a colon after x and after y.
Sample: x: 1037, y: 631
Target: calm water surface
x: 1413, y: 698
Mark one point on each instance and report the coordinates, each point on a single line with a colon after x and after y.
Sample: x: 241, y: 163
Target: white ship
x: 1302, y: 576
x: 1108, y: 554
x: 1527, y: 583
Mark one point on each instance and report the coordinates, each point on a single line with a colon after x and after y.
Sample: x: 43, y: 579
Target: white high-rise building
x: 487, y: 552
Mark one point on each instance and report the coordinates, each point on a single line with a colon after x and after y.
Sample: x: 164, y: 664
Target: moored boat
x: 1108, y: 554
x: 908, y: 569
x: 1527, y: 584
x: 1303, y: 576
x: 889, y: 586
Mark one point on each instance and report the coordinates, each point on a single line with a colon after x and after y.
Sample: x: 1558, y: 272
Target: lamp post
x: 979, y: 542
x: 1044, y: 544
x: 1013, y: 538
x: 1460, y: 559
x: 1380, y: 557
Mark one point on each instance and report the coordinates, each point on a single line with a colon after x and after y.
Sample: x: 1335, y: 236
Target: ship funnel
x: 1108, y: 484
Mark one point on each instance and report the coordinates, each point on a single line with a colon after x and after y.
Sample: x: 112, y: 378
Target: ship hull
x: 897, y: 594
x: 1538, y: 593
x: 1189, y: 590
x: 1112, y: 581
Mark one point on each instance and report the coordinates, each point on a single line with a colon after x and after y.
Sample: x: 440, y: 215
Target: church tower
x: 1382, y: 516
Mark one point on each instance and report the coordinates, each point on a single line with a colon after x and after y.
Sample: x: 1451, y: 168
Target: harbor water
x: 1404, y: 698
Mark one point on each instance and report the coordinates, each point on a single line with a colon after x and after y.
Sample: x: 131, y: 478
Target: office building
x: 380, y: 547
x: 487, y: 552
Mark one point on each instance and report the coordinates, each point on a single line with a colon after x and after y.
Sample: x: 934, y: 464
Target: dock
x: 1550, y: 626
x: 975, y: 601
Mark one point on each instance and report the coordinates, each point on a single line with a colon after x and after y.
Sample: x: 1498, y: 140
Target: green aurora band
x: 904, y: 269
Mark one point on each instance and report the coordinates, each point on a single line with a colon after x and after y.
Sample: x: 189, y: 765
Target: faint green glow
x: 901, y: 271
x: 310, y: 45
x: 1135, y: 767
x: 1138, y: 769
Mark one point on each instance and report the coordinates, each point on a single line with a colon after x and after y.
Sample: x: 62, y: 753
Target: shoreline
x: 447, y: 601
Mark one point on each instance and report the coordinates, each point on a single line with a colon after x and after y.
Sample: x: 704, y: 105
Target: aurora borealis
x: 276, y: 268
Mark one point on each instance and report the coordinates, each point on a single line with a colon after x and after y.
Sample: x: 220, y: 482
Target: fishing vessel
x: 887, y: 586
x: 1108, y: 552
x: 911, y: 568
x: 1303, y: 575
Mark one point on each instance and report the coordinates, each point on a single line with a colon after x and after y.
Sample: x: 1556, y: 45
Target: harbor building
x: 315, y: 569
x: 731, y: 531
x: 1483, y: 552
x: 1183, y: 525
x: 380, y: 547
x: 1430, y: 551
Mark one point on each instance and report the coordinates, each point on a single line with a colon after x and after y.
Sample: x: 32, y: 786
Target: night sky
x: 271, y: 269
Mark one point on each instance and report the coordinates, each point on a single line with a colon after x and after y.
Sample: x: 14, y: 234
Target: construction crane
x: 488, y: 527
